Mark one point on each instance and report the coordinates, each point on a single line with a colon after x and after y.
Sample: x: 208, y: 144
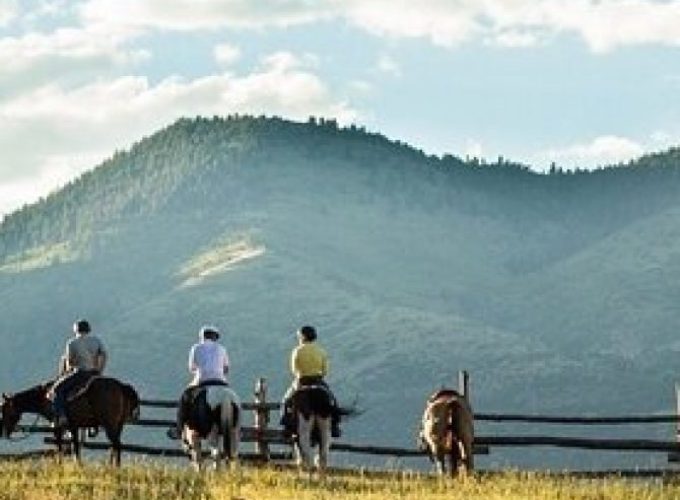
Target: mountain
x: 557, y: 292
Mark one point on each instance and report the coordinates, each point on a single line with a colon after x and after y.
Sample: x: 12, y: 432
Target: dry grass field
x: 48, y: 480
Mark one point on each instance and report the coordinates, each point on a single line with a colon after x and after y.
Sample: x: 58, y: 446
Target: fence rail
x: 564, y: 420
x: 264, y: 437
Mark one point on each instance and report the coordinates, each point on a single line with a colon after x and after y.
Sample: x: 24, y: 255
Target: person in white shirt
x: 209, y: 364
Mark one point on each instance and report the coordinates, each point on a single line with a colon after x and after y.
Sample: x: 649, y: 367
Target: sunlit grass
x: 225, y: 254
x: 49, y: 480
x: 39, y: 257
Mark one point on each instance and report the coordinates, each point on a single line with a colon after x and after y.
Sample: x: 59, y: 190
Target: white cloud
x: 601, y: 151
x: 388, y: 65
x: 226, y: 54
x: 32, y: 59
x: 603, y: 24
x: 473, y: 149
x: 608, y: 24
x: 54, y: 171
x: 445, y: 23
x: 192, y: 15
x: 361, y: 87
x: 8, y: 11
x: 66, y: 126
x: 515, y: 39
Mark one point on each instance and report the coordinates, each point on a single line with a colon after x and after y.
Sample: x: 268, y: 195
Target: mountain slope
x: 555, y: 291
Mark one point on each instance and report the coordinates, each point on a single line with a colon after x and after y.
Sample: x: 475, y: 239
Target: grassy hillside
x: 47, y: 480
x: 557, y: 292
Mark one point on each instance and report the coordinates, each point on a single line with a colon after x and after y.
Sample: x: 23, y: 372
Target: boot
x: 335, y: 426
x: 288, y: 423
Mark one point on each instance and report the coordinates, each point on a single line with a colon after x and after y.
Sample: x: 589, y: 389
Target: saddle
x: 80, y: 388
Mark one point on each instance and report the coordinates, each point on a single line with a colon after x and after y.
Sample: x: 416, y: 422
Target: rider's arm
x: 324, y: 364
x: 294, y: 360
x: 62, y: 365
x: 192, y: 360
x: 101, y: 360
x: 68, y: 358
x: 226, y: 361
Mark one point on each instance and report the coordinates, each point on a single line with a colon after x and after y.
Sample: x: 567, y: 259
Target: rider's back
x: 83, y: 351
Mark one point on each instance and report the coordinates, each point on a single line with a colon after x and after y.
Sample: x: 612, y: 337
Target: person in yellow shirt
x: 309, y: 366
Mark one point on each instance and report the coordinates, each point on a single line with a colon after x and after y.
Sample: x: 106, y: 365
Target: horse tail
x: 225, y: 424
x: 229, y: 419
x: 132, y: 402
x: 462, y: 432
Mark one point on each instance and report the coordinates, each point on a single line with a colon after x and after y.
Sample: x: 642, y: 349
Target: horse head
x: 10, y: 414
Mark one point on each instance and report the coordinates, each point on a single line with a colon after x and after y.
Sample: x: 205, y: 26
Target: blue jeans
x: 66, y: 385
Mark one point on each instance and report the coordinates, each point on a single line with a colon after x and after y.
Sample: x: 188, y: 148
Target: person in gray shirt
x: 84, y: 358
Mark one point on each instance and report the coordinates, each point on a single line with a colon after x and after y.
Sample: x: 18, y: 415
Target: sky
x: 582, y: 83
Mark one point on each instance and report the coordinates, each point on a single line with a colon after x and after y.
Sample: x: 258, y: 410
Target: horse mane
x: 33, y: 394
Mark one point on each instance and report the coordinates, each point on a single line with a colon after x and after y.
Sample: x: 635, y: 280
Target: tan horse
x: 447, y: 430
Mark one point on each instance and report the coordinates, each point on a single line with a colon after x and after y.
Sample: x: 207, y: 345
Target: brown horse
x: 103, y: 402
x: 447, y: 431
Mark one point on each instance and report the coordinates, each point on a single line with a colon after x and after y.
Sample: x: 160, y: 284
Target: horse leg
x: 195, y: 451
x: 59, y: 440
x: 226, y: 441
x: 114, y: 458
x: 224, y: 432
x: 304, y: 441
x: 235, y: 432
x: 75, y: 444
x: 440, y: 464
x: 458, y: 456
x: 469, y: 459
x: 324, y: 426
x: 113, y: 433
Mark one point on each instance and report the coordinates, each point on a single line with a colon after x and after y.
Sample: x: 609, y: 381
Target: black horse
x: 103, y: 402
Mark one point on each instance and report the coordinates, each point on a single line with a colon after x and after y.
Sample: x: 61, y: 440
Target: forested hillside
x: 558, y: 291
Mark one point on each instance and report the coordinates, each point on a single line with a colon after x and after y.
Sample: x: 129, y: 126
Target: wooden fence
x: 265, y: 437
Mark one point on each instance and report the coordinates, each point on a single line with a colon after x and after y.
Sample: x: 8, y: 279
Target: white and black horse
x: 313, y: 409
x: 218, y: 422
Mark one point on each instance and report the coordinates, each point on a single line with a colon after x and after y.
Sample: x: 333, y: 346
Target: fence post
x: 261, y: 419
x: 464, y: 384
x: 677, y: 411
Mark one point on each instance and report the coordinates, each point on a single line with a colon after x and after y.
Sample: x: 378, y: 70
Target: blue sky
x: 579, y: 82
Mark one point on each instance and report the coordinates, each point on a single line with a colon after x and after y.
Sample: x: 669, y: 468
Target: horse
x: 312, y: 407
x: 102, y: 402
x: 216, y: 413
x: 447, y: 431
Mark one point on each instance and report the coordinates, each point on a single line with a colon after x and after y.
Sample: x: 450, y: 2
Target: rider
x: 309, y: 365
x: 209, y: 363
x: 84, y: 358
